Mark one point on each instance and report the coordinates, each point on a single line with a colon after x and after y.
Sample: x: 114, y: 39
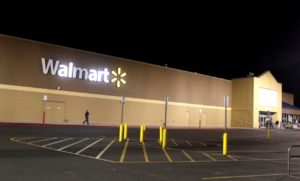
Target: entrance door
x: 264, y: 116
x: 262, y: 121
x: 54, y: 112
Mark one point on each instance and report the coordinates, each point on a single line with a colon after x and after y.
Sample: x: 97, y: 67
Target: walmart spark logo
x: 119, y: 77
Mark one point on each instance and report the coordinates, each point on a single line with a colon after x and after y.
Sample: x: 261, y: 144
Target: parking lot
x: 94, y: 153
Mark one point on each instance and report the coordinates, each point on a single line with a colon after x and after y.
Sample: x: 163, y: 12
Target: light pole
x: 268, y: 124
x: 166, y: 110
x: 121, y: 134
x: 225, y: 135
x: 163, y: 132
x: 122, y: 110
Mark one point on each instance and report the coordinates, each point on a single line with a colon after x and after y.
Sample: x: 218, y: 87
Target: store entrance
x: 264, y: 116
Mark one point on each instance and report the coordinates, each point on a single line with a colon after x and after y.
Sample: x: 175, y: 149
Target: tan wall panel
x: 19, y: 56
x: 267, y: 81
x: 102, y: 111
x: 288, y: 98
x: 242, y: 118
x: 19, y: 106
x: 137, y: 113
x: 291, y: 111
x: 27, y: 106
x: 242, y: 102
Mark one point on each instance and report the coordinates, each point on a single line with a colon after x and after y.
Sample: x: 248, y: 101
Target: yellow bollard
x: 268, y: 132
x: 125, y: 131
x: 142, y: 134
x: 225, y: 141
x: 160, y: 134
x: 164, y: 140
x: 121, y: 133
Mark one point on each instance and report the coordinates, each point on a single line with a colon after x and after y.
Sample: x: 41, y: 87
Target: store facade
x: 290, y: 112
x: 255, y: 100
x: 42, y: 83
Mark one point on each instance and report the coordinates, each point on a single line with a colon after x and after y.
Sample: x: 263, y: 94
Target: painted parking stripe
x: 106, y: 148
x: 72, y: 144
x: 41, y: 140
x: 189, y: 143
x: 174, y: 142
x: 57, y: 142
x: 15, y: 138
x: 230, y: 156
x: 24, y: 139
x: 88, y: 146
x: 145, y: 153
x: 202, y: 143
x: 124, y: 151
x: 167, y: 155
x: 208, y: 156
x: 187, y: 155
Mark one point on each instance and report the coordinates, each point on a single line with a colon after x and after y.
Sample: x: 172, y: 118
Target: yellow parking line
x: 187, y: 155
x: 232, y: 157
x: 174, y: 142
x: 145, y: 153
x: 167, y: 155
x: 243, y: 176
x: 210, y: 157
x: 124, y: 151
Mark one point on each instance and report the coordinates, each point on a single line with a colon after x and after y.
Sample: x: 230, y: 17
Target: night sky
x: 227, y: 41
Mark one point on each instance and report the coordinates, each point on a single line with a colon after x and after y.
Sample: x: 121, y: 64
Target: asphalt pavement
x: 49, y: 153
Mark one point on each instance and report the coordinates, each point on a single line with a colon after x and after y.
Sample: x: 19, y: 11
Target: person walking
x: 86, y: 118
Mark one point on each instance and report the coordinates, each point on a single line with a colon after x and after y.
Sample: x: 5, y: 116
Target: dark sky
x: 223, y: 40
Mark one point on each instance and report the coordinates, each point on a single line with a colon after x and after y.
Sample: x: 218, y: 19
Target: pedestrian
x: 86, y: 120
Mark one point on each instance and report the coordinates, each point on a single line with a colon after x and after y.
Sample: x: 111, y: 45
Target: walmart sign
x: 74, y: 72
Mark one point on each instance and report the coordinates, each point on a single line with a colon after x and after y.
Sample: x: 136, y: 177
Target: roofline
x: 111, y: 56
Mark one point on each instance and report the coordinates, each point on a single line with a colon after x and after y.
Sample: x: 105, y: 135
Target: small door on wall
x: 202, y: 120
x: 54, y: 112
x: 187, y: 119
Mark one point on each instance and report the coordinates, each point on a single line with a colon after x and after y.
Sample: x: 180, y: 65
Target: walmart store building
x: 48, y: 84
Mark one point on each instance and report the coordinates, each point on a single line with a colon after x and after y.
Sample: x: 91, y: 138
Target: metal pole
x: 268, y: 125
x: 122, y: 102
x: 226, y: 104
x: 166, y: 110
x: 289, y: 173
x: 225, y: 135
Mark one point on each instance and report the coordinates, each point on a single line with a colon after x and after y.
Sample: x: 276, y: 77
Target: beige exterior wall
x: 288, y: 98
x: 21, y: 65
x: 196, y: 100
x: 242, y: 102
x: 267, y: 81
x: 291, y: 111
x: 26, y: 104
x: 245, y: 100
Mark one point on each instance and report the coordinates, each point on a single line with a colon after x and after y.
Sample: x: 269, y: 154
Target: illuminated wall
x: 266, y: 81
x: 87, y: 81
x: 252, y: 95
x: 242, y: 102
x: 288, y: 98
